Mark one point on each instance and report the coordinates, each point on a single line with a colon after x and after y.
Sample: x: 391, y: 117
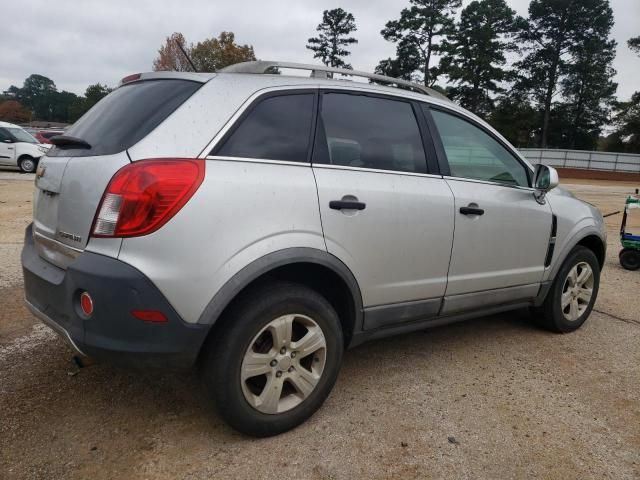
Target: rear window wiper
x: 65, y: 141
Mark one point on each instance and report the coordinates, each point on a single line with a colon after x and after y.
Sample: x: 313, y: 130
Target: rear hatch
x: 73, y: 176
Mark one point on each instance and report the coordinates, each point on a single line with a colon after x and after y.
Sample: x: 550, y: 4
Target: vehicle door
x: 7, y: 148
x: 502, y: 233
x: 384, y: 212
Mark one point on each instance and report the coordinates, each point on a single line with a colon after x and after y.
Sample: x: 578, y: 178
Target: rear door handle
x: 471, y: 211
x: 347, y: 205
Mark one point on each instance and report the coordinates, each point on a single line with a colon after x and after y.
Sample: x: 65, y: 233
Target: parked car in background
x: 19, y: 148
x: 43, y: 136
x: 297, y: 217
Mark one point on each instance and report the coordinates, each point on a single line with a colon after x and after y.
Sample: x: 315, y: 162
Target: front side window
x: 370, y: 132
x: 4, y: 135
x: 473, y: 153
x: 277, y: 128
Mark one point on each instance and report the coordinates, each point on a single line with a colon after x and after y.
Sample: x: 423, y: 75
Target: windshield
x: 22, y: 135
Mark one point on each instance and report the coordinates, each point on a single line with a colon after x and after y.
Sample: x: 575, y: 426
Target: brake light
x: 131, y: 78
x: 143, y: 196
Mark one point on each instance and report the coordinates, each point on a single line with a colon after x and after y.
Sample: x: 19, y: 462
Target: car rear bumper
x: 112, y: 333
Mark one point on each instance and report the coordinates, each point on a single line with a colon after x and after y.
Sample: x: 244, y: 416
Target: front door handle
x: 347, y: 205
x: 471, y: 211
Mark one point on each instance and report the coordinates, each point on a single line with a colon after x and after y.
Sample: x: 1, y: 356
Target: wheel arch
x: 26, y: 155
x: 317, y: 269
x: 596, y: 245
x: 586, y: 237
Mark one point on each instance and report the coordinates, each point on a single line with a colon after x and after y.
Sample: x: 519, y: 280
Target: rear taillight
x: 144, y: 195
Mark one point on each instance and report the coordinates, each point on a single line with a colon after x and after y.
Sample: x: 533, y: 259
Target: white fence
x: 614, y: 162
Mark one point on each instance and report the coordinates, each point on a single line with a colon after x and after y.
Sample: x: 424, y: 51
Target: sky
x: 81, y: 42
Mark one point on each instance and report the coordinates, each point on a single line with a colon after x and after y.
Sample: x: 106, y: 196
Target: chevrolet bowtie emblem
x: 40, y: 171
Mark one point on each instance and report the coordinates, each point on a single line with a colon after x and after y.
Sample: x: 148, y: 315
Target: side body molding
x: 269, y: 262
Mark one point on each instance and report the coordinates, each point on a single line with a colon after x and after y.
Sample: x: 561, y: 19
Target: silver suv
x: 257, y: 224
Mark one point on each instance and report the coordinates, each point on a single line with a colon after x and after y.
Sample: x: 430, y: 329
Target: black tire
x: 550, y: 315
x: 27, y: 164
x: 221, y: 367
x: 629, y: 258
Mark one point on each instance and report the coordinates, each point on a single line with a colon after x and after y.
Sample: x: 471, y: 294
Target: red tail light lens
x: 145, y: 195
x: 86, y: 304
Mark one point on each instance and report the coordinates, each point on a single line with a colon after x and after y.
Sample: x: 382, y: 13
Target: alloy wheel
x: 283, y: 364
x: 577, y: 291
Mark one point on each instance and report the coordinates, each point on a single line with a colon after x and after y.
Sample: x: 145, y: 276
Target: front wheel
x: 573, y: 293
x: 274, y: 360
x: 27, y: 165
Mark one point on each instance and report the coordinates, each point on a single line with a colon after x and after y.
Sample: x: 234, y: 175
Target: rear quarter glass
x: 126, y: 116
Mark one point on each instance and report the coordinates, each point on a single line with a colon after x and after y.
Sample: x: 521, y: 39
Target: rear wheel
x: 573, y: 293
x: 27, y: 164
x: 275, y: 359
x: 630, y: 258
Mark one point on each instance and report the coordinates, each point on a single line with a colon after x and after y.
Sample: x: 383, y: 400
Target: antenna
x: 186, y: 56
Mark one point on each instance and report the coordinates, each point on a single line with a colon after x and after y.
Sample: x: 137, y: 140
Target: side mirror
x: 545, y: 178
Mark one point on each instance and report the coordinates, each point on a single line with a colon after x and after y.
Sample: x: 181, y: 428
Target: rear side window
x: 473, y: 153
x: 370, y: 132
x: 277, y: 128
x: 126, y: 116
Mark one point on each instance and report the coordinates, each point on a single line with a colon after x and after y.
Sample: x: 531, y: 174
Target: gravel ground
x: 490, y: 398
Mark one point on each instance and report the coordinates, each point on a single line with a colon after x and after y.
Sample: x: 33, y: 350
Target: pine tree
x: 476, y: 54
x: 555, y: 28
x: 417, y: 34
x: 589, y: 91
x: 333, y: 38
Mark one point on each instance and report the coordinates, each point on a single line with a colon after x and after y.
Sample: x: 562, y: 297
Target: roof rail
x: 322, y: 71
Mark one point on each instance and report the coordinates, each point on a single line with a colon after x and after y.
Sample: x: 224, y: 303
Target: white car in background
x: 19, y: 148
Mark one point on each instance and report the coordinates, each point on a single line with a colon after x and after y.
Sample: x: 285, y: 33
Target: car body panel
x: 576, y: 220
x: 66, y: 196
x: 243, y: 211
x: 497, y: 249
x: 398, y: 247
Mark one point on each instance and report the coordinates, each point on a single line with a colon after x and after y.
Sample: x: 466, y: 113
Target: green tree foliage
x: 476, y: 53
x: 38, y: 93
x: 516, y: 119
x: 42, y: 100
x: 215, y: 53
x: 626, y: 137
x: 588, y: 91
x: 330, y: 46
x: 92, y: 95
x: 556, y: 29
x: 418, y: 34
x: 209, y: 55
x: 408, y: 60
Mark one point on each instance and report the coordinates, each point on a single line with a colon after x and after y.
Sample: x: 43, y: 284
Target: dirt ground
x: 490, y: 398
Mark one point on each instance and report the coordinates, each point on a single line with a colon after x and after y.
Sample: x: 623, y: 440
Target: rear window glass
x: 126, y: 115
